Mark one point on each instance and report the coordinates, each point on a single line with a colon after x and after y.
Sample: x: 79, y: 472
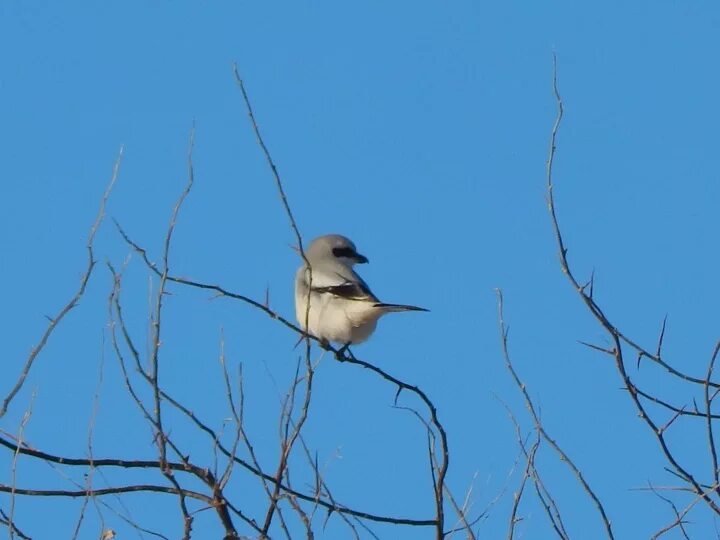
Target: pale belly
x: 338, y: 320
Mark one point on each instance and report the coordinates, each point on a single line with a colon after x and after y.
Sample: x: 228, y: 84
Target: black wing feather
x: 350, y: 290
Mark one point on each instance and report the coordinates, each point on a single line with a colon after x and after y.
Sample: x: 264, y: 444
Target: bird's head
x: 334, y: 247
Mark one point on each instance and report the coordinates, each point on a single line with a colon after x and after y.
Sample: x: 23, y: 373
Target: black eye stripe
x: 344, y: 252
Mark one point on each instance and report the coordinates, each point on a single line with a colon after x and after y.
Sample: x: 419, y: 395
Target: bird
x: 342, y: 308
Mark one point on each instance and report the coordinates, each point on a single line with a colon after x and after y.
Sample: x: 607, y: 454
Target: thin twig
x: 75, y: 298
x: 91, y: 427
x: 709, y: 419
x: 13, y: 467
x: 5, y: 520
x: 539, y: 426
x: 347, y: 356
x: 270, y: 161
x: 617, y: 337
x: 546, y: 499
x: 678, y: 517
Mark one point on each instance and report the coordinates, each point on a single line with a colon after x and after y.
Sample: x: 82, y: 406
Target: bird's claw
x: 340, y: 354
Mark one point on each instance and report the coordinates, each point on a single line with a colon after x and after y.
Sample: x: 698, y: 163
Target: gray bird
x: 343, y: 309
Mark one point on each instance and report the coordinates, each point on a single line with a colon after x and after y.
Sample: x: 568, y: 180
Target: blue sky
x: 421, y: 131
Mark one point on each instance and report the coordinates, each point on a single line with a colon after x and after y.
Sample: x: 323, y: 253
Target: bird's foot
x: 340, y: 354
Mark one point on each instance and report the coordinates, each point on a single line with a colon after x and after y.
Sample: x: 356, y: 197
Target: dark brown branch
x: 5, y: 520
x: 175, y: 466
x: 680, y: 410
x: 104, y: 491
x: 126, y: 518
x: 330, y: 506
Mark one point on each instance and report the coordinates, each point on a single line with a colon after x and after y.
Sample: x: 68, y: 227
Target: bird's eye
x: 344, y: 252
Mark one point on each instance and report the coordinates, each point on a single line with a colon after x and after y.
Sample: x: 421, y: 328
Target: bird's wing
x: 348, y: 290
x: 353, y: 288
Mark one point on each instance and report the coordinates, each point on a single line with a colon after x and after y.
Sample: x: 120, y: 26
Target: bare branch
x: 91, y: 426
x: 678, y: 517
x: 345, y: 355
x: 662, y: 336
x: 271, y: 163
x: 75, y: 298
x: 531, y: 472
x: 538, y: 424
x: 709, y: 418
x: 5, y: 520
x: 617, y: 337
x: 101, y: 492
x: 13, y: 467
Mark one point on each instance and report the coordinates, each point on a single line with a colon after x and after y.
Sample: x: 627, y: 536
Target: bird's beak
x: 362, y: 259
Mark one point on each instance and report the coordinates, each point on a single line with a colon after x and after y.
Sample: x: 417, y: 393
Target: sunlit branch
x: 54, y: 321
x: 616, y: 336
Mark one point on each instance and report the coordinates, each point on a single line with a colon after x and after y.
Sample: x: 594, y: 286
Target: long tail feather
x: 399, y: 307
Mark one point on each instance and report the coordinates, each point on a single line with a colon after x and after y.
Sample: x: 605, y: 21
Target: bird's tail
x: 398, y: 307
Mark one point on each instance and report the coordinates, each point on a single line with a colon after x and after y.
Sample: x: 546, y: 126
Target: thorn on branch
x: 662, y: 336
x: 611, y: 352
x: 590, y: 283
x: 662, y: 429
